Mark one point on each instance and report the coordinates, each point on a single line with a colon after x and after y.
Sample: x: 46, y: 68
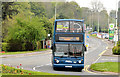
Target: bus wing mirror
x: 85, y: 48
x: 52, y: 47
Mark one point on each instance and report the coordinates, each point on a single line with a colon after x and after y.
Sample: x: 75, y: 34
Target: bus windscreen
x: 69, y: 26
x: 68, y: 50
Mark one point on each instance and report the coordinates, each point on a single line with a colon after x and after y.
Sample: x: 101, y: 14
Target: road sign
x: 111, y: 34
x: 111, y: 26
x: 111, y: 31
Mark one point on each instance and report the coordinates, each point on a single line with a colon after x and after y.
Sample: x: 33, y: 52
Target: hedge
x: 13, y: 47
x: 116, y: 49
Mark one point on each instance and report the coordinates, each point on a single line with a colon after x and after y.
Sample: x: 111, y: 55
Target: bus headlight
x: 57, y: 61
x: 79, y: 61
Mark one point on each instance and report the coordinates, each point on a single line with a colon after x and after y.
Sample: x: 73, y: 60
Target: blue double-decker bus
x: 68, y: 44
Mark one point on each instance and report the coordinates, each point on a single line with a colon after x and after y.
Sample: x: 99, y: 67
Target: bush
x: 116, y: 50
x: 5, y: 47
x: 17, y: 47
x: 104, y: 30
x: 118, y: 43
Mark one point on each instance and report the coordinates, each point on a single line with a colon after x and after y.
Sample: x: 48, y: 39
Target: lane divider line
x: 34, y: 68
x: 96, y: 60
x: 102, y: 53
x: 106, y: 47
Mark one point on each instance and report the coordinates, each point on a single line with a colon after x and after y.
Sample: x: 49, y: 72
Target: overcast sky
x: 108, y: 4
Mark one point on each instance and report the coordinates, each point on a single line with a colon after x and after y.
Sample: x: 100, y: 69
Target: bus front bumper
x: 68, y: 66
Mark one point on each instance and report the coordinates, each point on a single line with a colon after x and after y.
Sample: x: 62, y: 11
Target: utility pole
x: 108, y: 24
x: 116, y: 23
x: 98, y: 21
x: 55, y: 10
x: 92, y: 19
x: 98, y: 16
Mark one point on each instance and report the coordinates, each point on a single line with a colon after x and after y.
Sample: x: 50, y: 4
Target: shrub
x: 116, y: 50
x: 5, y: 47
x: 118, y: 43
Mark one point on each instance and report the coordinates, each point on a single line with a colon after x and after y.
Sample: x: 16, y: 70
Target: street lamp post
x: 116, y: 23
x: 92, y: 20
x: 98, y: 21
x: 108, y: 23
x: 55, y: 10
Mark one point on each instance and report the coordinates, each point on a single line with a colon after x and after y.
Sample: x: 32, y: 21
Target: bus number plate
x: 68, y: 66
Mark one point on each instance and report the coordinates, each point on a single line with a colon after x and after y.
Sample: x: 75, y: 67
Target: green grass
x: 106, y: 67
x: 22, y: 52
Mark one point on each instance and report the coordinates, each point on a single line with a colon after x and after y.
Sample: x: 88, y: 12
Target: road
x: 42, y: 62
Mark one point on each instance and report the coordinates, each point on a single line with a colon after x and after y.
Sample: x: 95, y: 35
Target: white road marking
x: 102, y: 53
x: 106, y: 47
x: 48, y: 64
x: 96, y: 60
x: 108, y: 59
x: 34, y: 68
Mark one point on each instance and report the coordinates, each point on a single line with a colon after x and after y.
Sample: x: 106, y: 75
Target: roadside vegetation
x: 106, y: 67
x: 116, y: 49
x: 18, y: 71
x: 9, y: 70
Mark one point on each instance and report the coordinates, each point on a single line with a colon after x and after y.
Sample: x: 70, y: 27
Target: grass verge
x: 106, y: 67
x: 8, y: 71
x: 22, y: 52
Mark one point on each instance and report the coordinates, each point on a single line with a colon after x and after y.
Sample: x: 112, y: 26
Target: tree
x: 8, y: 9
x: 61, y: 16
x: 47, y: 25
x: 97, y: 6
x: 100, y: 15
x: 113, y: 14
x: 38, y: 9
x: 26, y: 33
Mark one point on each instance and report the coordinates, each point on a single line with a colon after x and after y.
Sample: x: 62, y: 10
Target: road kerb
x: 19, y: 55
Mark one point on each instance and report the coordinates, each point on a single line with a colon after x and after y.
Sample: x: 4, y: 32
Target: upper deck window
x: 69, y: 26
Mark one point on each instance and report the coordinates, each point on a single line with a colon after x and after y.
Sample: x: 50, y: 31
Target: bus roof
x: 69, y: 20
